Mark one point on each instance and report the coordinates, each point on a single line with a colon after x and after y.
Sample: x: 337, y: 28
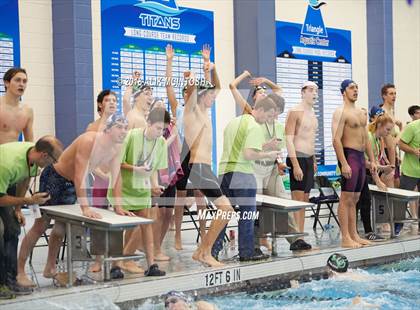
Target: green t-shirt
x: 243, y: 132
x: 411, y: 136
x: 276, y: 131
x: 375, y: 144
x: 14, y: 164
x: 136, y: 190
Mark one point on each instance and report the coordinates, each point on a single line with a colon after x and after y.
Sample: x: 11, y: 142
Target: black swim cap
x: 338, y: 263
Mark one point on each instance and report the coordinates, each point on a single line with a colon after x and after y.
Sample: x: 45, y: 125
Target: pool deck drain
x: 183, y: 274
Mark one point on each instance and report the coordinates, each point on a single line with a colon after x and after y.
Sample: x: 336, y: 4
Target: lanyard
x: 268, y: 130
x: 143, y: 159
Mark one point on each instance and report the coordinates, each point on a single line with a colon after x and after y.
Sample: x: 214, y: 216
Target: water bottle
x: 333, y: 234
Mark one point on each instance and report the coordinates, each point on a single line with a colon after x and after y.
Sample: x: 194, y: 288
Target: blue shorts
x: 61, y: 190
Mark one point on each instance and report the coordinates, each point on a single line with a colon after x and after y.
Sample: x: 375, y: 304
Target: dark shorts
x: 306, y: 163
x: 167, y: 199
x: 203, y: 179
x: 61, y: 190
x: 409, y: 183
x: 181, y: 184
x: 356, y: 161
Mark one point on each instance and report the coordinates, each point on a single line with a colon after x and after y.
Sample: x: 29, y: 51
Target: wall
x: 37, y: 58
x: 224, y: 55
x: 406, y: 56
x: 342, y: 14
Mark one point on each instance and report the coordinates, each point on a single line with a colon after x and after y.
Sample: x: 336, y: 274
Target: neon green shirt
x: 276, y: 131
x: 14, y: 165
x: 136, y: 190
x: 411, y: 163
x: 243, y: 132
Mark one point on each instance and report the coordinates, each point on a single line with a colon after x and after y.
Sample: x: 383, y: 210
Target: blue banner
x: 9, y: 37
x: 311, y: 51
x: 134, y: 37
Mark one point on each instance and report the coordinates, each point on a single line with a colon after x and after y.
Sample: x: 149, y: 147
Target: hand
x: 346, y: 171
x: 169, y: 52
x: 257, y: 81
x: 121, y: 211
x: 88, y: 212
x: 157, y: 191
x: 381, y: 186
x: 298, y: 173
x: 373, y: 168
x: 280, y: 168
x: 144, y: 170
x: 417, y: 152
x: 40, y: 198
x: 272, y: 154
x: 247, y: 73
x: 399, y: 124
x: 20, y: 217
x: 271, y: 144
x: 206, y: 52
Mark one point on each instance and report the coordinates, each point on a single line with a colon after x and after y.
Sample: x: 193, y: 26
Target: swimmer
x: 142, y: 95
x: 301, y: 128
x: 199, y: 138
x: 106, y: 106
x: 15, y: 117
x: 350, y: 141
x: 174, y: 300
x: 65, y: 182
x: 177, y: 111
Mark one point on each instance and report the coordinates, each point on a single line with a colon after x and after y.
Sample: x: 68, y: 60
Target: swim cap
x: 344, y: 85
x: 338, y: 263
x: 308, y: 84
x: 375, y: 111
x: 114, y: 119
x: 173, y: 296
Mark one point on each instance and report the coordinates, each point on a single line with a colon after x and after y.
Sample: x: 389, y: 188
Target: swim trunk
x: 181, y: 184
x: 356, y: 161
x: 99, y: 193
x: 203, y: 179
x: 306, y: 163
x: 61, y: 190
x: 167, y: 199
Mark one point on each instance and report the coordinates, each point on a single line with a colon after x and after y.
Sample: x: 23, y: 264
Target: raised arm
x: 246, y: 108
x: 262, y: 80
x: 205, y: 52
x: 170, y: 92
x: 129, y: 92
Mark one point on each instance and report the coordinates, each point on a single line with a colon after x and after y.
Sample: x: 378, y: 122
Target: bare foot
x: 178, y: 243
x: 207, y: 260
x: 96, y: 267
x: 264, y: 242
x: 361, y: 241
x: 160, y: 257
x: 131, y: 267
x: 350, y: 243
x: 196, y: 254
x: 49, y: 273
x: 23, y: 280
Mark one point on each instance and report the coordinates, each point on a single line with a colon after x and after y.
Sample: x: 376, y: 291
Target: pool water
x: 391, y: 286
